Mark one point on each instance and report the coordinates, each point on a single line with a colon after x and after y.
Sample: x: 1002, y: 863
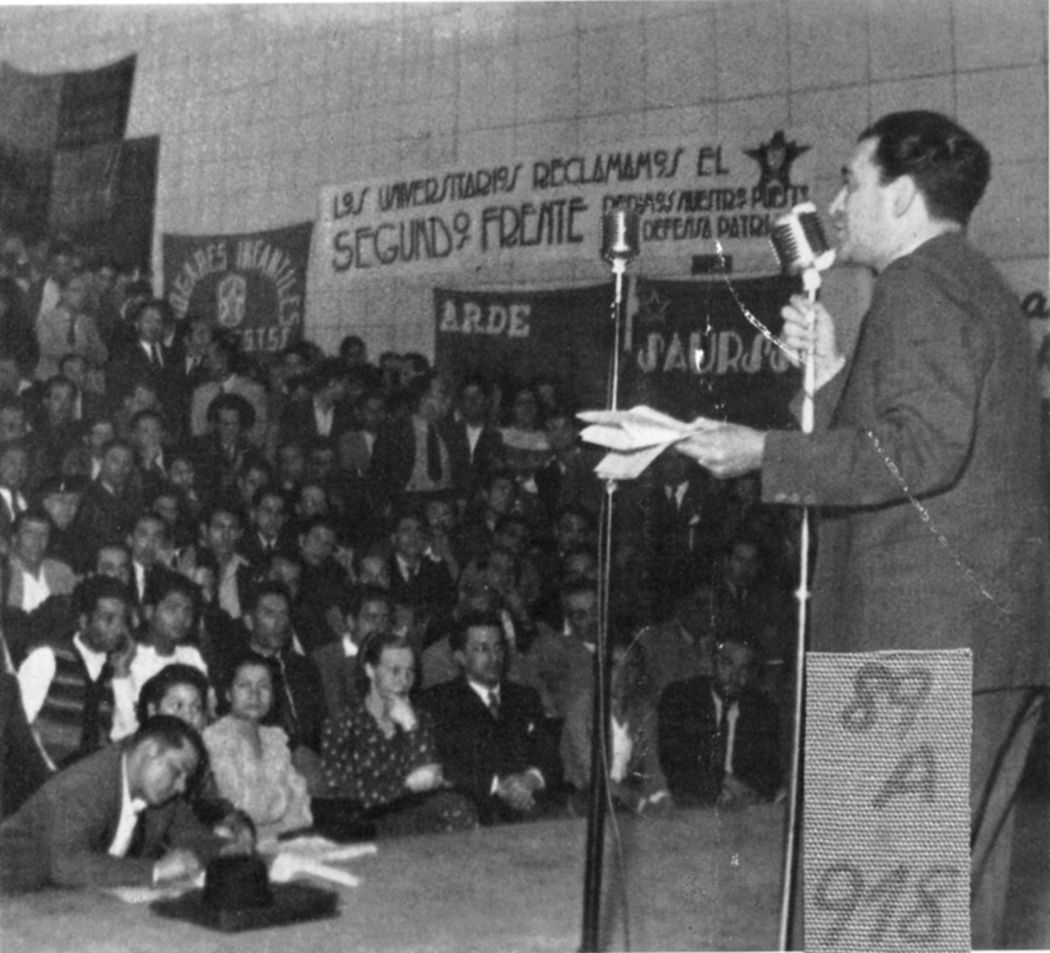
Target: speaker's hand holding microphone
x: 809, y: 334
x: 802, y: 248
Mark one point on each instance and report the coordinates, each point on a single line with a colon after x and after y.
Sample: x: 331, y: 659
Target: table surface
x: 698, y: 879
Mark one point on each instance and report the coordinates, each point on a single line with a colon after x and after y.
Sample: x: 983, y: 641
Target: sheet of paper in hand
x: 887, y: 803
x: 635, y: 438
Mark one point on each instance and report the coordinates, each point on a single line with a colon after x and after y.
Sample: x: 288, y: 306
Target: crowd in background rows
x: 314, y: 545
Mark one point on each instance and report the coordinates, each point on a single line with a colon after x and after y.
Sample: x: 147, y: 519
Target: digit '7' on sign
x: 886, y: 809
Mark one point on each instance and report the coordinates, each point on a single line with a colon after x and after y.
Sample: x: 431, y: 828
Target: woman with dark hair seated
x: 380, y: 757
x: 252, y: 761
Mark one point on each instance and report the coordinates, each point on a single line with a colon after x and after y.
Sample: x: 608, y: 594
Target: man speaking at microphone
x: 924, y: 463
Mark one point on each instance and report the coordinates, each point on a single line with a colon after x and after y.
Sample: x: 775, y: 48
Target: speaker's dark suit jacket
x: 476, y: 748
x: 61, y: 835
x: 925, y: 463
x: 687, y: 736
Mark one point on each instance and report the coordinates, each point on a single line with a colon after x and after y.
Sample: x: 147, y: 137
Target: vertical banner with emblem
x: 253, y: 284
x: 887, y: 805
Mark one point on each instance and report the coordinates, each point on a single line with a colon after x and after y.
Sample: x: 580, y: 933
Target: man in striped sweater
x: 66, y: 683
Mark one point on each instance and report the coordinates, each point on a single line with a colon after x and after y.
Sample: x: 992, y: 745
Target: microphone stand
x: 595, y: 851
x: 811, y: 282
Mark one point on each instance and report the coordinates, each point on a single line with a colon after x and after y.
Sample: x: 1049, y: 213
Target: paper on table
x: 320, y: 848
x: 149, y: 894
x: 287, y: 866
x: 312, y: 856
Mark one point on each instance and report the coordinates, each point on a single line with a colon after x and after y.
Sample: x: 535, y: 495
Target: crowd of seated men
x: 320, y: 593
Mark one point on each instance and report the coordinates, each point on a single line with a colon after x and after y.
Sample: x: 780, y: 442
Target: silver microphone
x: 801, y: 246
x: 620, y: 234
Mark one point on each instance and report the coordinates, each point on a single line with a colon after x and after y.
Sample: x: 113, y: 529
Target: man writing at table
x: 116, y: 818
x: 924, y: 461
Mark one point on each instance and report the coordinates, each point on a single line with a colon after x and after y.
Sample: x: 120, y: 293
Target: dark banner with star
x: 690, y: 347
x: 708, y: 347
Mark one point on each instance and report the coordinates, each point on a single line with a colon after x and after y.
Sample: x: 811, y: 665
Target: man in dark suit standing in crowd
x: 326, y: 414
x: 149, y: 358
x: 410, y: 458
x: 474, y: 442
x: 568, y: 478
x: 416, y: 579
x: 110, y: 504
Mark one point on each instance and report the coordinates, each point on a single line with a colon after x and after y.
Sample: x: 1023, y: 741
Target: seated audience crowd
x: 249, y: 594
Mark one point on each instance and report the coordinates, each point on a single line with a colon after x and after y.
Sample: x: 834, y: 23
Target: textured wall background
x: 258, y: 107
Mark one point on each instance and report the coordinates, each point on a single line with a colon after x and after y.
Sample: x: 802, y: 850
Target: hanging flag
x: 61, y: 137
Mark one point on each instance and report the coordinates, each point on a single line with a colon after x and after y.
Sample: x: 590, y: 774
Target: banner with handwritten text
x: 707, y: 347
x: 253, y: 284
x: 690, y: 195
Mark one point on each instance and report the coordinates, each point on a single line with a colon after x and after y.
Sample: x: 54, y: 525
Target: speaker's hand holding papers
x: 636, y: 437
x: 727, y: 450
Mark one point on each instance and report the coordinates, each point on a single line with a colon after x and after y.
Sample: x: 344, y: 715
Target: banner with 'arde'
x: 689, y: 347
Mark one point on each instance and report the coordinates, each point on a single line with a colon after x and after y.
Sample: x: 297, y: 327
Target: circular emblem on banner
x: 231, y: 295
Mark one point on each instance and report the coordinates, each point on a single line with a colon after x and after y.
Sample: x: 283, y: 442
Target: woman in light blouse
x: 252, y: 762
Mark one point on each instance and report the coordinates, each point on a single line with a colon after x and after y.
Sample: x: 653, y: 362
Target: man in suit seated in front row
x: 116, y: 818
x: 489, y: 730
x: 718, y: 737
